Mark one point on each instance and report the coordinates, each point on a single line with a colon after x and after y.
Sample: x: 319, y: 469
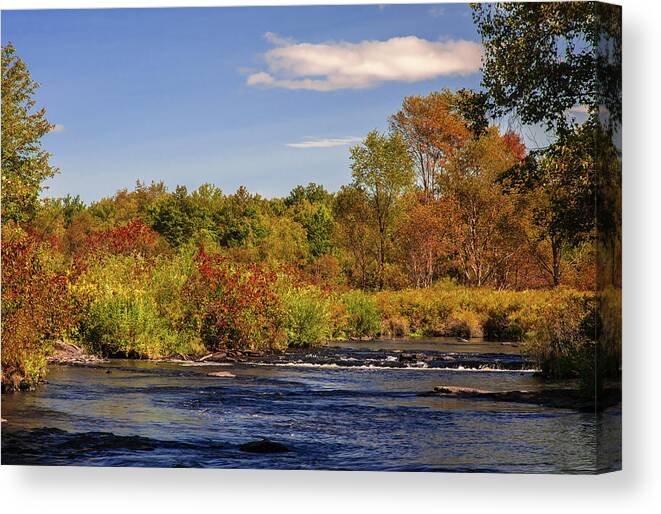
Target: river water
x: 353, y: 406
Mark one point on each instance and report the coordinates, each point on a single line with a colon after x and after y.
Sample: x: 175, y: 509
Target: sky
x: 266, y: 97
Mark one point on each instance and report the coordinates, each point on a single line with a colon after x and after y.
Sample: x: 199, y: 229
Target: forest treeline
x: 448, y: 226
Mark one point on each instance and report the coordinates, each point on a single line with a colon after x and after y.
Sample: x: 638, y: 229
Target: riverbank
x: 189, y: 306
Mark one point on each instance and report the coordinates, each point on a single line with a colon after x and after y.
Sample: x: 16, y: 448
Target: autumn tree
x: 557, y: 185
x: 426, y: 236
x: 25, y: 165
x: 382, y: 168
x: 489, y: 234
x: 433, y: 128
x: 541, y: 60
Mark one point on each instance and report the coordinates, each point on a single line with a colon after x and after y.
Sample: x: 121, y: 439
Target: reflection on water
x: 350, y: 406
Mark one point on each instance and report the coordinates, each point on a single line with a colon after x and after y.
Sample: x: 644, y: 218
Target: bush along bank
x: 188, y: 303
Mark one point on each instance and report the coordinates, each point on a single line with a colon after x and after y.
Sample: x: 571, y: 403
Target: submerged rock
x: 221, y: 374
x: 263, y: 446
x: 414, y: 357
x: 552, y: 398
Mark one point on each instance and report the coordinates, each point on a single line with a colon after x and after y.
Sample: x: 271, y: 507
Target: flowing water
x: 357, y: 406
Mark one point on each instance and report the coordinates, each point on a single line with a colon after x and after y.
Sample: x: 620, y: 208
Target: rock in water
x: 221, y: 374
x: 263, y: 446
x: 460, y: 390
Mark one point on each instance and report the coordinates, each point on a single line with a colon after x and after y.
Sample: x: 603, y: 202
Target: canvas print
x: 357, y: 237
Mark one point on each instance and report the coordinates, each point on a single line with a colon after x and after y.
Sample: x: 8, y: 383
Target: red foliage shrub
x: 36, y: 308
x: 136, y: 237
x: 235, y: 304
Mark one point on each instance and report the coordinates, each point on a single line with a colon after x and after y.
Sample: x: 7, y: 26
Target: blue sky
x: 219, y: 94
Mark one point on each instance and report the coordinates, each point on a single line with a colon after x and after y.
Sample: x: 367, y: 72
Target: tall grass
x: 307, y: 316
x: 362, y: 315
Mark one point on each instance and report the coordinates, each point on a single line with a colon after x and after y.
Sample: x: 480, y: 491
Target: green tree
x: 354, y: 234
x: 382, y: 168
x: 542, y: 59
x: 178, y: 218
x: 313, y: 193
x: 320, y: 231
x: 25, y: 165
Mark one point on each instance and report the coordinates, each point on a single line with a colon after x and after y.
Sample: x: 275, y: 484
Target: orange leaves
x: 514, y: 143
x: 434, y: 130
x: 427, y: 237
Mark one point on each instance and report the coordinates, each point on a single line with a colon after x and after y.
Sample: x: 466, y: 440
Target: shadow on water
x: 352, y: 406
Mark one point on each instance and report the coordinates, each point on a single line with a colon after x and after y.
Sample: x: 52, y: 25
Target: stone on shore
x: 69, y: 353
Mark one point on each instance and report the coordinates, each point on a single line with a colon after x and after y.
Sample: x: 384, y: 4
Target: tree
x: 382, y: 168
x: 426, y: 236
x: 542, y: 59
x: 310, y: 206
x: 489, y: 233
x: 177, y: 218
x: 25, y: 165
x: 433, y: 128
x: 313, y: 193
x: 355, y: 234
x: 557, y: 185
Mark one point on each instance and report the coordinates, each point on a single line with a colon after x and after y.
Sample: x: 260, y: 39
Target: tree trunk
x: 555, y: 250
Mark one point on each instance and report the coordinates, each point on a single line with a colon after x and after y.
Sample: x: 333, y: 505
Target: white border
x: 636, y: 489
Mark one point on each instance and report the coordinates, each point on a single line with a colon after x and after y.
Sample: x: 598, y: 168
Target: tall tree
x: 426, y: 236
x: 354, y: 234
x: 489, y: 233
x: 382, y: 168
x: 434, y: 130
x: 25, y: 165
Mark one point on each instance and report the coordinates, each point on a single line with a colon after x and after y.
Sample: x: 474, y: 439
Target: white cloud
x: 341, y: 65
x: 57, y: 128
x: 326, y: 142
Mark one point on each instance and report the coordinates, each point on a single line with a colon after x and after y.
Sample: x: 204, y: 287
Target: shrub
x: 307, y: 316
x: 500, y: 326
x: 131, y: 307
x: 464, y: 323
x: 133, y: 238
x: 36, y: 309
x: 363, y: 318
x: 127, y: 325
x: 395, y: 326
x: 561, y: 337
x: 235, y: 305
